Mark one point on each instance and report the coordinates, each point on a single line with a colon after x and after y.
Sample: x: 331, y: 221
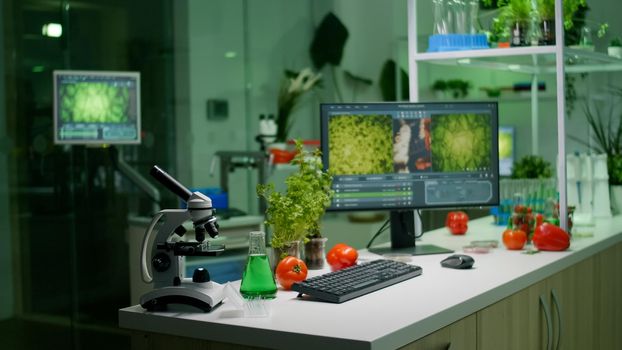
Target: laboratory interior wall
x: 237, y: 51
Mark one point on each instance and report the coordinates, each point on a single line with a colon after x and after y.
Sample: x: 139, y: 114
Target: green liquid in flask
x: 257, y: 280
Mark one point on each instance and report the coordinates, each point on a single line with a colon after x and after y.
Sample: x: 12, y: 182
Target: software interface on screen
x: 411, y: 155
x: 96, y: 107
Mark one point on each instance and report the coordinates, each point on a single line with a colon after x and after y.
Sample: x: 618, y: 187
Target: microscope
x: 167, y: 251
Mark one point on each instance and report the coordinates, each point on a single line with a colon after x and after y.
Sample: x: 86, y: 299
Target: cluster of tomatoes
x: 524, y: 225
x: 292, y: 269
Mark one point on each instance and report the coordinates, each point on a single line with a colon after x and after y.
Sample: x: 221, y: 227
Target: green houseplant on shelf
x: 295, y: 215
x: 606, y: 128
x: 615, y: 48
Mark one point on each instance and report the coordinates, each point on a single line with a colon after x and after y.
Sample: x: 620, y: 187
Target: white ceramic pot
x: 615, y: 51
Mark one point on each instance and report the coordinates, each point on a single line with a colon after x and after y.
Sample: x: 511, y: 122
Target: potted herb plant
x: 615, y: 48
x: 294, y: 216
x: 546, y: 14
x: 532, y: 167
x: 517, y: 13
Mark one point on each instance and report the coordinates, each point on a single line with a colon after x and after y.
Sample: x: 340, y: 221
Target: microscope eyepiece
x: 169, y: 182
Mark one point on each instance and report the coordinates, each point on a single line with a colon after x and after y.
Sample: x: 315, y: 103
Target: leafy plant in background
x: 515, y: 10
x: 458, y: 88
x: 616, y: 42
x: 532, y: 167
x: 546, y: 10
x: 295, y: 214
x: 606, y: 136
x: 293, y: 87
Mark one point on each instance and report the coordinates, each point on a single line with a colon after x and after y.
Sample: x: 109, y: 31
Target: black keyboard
x: 357, y: 280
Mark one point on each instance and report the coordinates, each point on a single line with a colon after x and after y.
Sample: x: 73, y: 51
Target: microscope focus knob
x: 161, y: 262
x: 200, y: 275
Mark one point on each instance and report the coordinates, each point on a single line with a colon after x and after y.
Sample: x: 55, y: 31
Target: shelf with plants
x: 550, y: 58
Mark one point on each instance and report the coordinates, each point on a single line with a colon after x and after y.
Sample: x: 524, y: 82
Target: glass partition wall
x: 208, y: 70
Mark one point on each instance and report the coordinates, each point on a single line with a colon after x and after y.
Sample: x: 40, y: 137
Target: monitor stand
x: 403, y: 233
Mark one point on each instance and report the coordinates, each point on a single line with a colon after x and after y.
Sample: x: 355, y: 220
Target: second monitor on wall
x: 405, y: 156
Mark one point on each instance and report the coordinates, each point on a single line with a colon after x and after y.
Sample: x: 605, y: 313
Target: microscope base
x: 204, y: 296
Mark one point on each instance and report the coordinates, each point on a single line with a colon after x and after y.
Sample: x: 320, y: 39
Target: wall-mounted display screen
x: 96, y: 107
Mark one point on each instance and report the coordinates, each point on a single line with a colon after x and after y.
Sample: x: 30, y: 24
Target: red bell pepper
x: 550, y: 237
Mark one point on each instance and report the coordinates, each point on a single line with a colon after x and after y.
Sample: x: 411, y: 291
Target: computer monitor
x: 406, y: 156
x: 96, y: 107
x: 506, y: 150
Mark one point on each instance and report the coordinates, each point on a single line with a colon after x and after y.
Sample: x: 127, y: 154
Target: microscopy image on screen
x: 94, y: 102
x: 411, y: 145
x: 461, y: 142
x: 360, y: 144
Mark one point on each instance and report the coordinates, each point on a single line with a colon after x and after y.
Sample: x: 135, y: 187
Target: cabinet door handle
x: 558, y: 311
x: 549, y: 325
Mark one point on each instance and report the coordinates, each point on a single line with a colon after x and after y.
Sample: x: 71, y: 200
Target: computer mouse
x: 458, y: 261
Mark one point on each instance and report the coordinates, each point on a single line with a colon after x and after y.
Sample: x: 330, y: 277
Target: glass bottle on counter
x: 257, y: 278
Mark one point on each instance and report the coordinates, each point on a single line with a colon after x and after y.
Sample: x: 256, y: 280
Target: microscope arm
x: 175, y: 218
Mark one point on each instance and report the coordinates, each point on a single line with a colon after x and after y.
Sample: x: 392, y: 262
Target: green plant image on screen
x: 360, y: 144
x: 93, y: 102
x: 461, y: 142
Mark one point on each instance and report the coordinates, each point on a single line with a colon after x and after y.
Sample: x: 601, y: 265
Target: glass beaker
x: 440, y: 17
x: 473, y: 16
x: 460, y: 17
x: 586, y: 41
x: 257, y: 278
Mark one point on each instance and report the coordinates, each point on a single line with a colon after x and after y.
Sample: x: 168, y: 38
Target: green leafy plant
x: 616, y: 42
x: 606, y: 136
x: 516, y: 10
x: 295, y: 214
x: 532, y: 167
x: 459, y: 88
x: 546, y: 10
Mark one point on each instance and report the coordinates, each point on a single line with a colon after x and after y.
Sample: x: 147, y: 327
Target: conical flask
x: 257, y: 279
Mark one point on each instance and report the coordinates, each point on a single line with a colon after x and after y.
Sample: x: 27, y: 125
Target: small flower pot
x: 315, y: 253
x: 547, y: 28
x: 614, y: 51
x: 519, y: 34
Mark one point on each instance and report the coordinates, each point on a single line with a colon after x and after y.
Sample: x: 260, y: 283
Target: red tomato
x: 550, y: 237
x: 514, y: 239
x: 289, y: 271
x: 456, y: 222
x: 341, y: 256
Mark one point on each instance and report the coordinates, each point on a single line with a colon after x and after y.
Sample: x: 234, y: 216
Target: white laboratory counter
x: 392, y: 317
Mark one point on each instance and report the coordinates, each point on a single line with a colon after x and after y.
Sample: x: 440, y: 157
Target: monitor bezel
x: 493, y: 105
x: 114, y: 74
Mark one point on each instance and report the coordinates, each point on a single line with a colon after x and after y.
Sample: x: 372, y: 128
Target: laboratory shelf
x: 529, y: 60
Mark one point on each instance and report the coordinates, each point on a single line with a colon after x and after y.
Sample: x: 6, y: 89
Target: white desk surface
x: 393, y: 316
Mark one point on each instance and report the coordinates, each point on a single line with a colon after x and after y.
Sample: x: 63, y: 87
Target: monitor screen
x: 96, y: 107
x: 506, y: 150
x: 396, y: 156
